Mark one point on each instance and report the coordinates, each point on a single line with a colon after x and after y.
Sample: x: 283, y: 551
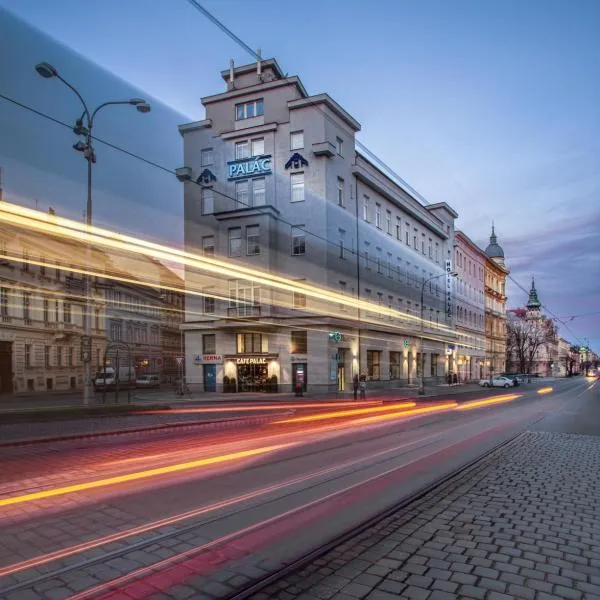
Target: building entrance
x: 252, y: 378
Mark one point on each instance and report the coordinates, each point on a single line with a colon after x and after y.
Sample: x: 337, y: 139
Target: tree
x: 526, y: 338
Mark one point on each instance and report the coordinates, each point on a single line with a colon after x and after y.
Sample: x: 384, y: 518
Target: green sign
x: 405, y: 344
x: 336, y: 336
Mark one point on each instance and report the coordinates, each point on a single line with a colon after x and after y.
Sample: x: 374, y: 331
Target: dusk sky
x: 492, y: 107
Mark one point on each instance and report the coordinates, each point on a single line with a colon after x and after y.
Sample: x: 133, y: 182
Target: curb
x: 215, y: 423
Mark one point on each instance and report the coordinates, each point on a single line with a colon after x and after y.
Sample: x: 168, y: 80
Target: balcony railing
x: 245, y: 310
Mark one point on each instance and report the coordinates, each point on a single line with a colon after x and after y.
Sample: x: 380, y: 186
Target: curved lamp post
x: 83, y: 127
x: 422, y: 357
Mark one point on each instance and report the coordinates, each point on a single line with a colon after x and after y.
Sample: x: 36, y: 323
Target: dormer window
x: 247, y: 110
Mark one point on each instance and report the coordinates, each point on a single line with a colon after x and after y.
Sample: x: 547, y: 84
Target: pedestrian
x: 363, y: 387
x: 355, y: 384
x: 454, y: 378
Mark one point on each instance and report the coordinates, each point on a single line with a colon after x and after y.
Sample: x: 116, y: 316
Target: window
x: 298, y: 240
x: 206, y: 157
x: 379, y: 260
x: 378, y: 215
x: 340, y: 191
x: 247, y: 110
x: 25, y: 260
x: 57, y: 270
x: 407, y: 237
x: 70, y: 356
x: 26, y: 306
x: 299, y: 342
x: 42, y: 266
x: 430, y: 249
x: 296, y: 140
x: 437, y: 252
x: 208, y: 305
x: 297, y: 183
x: 423, y: 243
x: 367, y: 255
x: 242, y: 150
x: 208, y: 202
x: 235, y: 241
x: 46, y: 308
x: 389, y: 264
x: 97, y: 317
x: 47, y: 357
x: 374, y: 364
x: 59, y: 356
x: 249, y: 343
x: 252, y: 240
x: 208, y: 245
x: 258, y: 191
x: 388, y: 221
x: 299, y: 300
x: 27, y: 356
x: 4, y: 302
x: 398, y: 228
x: 395, y: 365
x: 343, y: 288
x: 209, y: 343
x: 415, y: 240
x: 67, y: 312
x: 116, y: 331
x: 339, y: 146
x: 258, y: 147
x: 366, y: 208
x: 342, y: 234
x: 435, y: 359
x: 241, y: 192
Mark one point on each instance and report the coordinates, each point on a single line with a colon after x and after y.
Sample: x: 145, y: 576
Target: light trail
x: 345, y: 413
x: 59, y: 226
x: 545, y: 390
x: 405, y: 413
x: 240, y: 408
x: 88, y: 485
x: 488, y: 401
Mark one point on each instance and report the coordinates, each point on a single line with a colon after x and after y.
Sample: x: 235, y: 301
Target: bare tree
x: 525, y: 339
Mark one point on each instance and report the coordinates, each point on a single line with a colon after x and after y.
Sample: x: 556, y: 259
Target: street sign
x: 179, y: 360
x: 405, y: 344
x: 159, y: 362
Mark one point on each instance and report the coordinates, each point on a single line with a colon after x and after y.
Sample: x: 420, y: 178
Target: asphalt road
x: 200, y: 513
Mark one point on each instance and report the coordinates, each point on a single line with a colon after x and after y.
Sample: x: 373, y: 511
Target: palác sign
x: 208, y: 359
x: 249, y: 167
x: 251, y: 360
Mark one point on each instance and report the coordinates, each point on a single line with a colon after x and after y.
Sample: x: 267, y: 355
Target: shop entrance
x: 296, y: 368
x: 341, y: 376
x: 209, y: 375
x: 252, y: 378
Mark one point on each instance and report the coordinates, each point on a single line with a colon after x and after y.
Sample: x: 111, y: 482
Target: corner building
x: 273, y: 184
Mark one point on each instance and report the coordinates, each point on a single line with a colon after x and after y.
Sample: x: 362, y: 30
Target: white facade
x: 338, y: 253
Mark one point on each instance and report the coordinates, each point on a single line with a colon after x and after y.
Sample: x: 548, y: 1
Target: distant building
x: 275, y: 184
x: 495, y: 307
x: 470, y: 266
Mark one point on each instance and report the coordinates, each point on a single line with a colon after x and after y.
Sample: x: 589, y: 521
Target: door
x: 299, y: 372
x: 340, y: 377
x: 210, y: 378
x: 6, y: 378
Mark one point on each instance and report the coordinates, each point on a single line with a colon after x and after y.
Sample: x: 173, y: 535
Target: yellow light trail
x: 488, y: 401
x: 31, y: 219
x: 88, y: 485
x: 545, y: 390
x: 345, y: 413
x: 406, y: 413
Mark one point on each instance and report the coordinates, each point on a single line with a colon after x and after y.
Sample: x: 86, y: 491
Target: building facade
x: 470, y: 266
x: 495, y: 307
x: 315, y: 260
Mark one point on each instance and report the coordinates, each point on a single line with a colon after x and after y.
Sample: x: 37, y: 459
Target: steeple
x: 494, y: 250
x: 533, y: 303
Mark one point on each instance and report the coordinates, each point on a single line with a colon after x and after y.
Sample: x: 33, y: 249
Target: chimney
x: 231, y: 67
x: 258, y: 63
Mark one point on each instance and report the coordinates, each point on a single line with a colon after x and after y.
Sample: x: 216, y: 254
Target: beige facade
x: 274, y: 184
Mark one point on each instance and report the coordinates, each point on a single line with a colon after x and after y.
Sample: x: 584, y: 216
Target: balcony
x: 247, y: 310
x: 323, y: 149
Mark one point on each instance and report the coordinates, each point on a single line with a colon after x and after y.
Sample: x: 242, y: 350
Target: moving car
x: 148, y: 381
x: 497, y: 381
x: 108, y: 378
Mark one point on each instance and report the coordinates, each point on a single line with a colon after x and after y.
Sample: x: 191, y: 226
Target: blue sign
x: 249, y: 167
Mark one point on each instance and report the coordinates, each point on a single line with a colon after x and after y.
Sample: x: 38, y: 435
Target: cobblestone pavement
x: 522, y: 524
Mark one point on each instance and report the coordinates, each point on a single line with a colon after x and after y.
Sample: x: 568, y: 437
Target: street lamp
x: 422, y: 357
x: 83, y: 127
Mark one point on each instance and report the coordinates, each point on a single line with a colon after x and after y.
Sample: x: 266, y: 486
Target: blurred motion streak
x: 141, y: 475
x: 488, y: 401
x: 95, y: 543
x: 545, y: 390
x: 346, y: 413
x: 405, y: 413
x: 29, y: 219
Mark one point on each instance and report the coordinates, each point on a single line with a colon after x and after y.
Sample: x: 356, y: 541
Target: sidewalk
x: 524, y: 524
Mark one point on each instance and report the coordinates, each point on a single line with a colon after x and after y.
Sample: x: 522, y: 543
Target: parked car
x: 148, y: 381
x: 497, y: 381
x: 516, y: 377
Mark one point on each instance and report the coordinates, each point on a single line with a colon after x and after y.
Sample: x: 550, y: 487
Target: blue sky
x: 490, y: 106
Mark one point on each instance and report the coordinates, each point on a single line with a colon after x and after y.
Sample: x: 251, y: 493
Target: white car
x: 148, y: 381
x: 497, y: 381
